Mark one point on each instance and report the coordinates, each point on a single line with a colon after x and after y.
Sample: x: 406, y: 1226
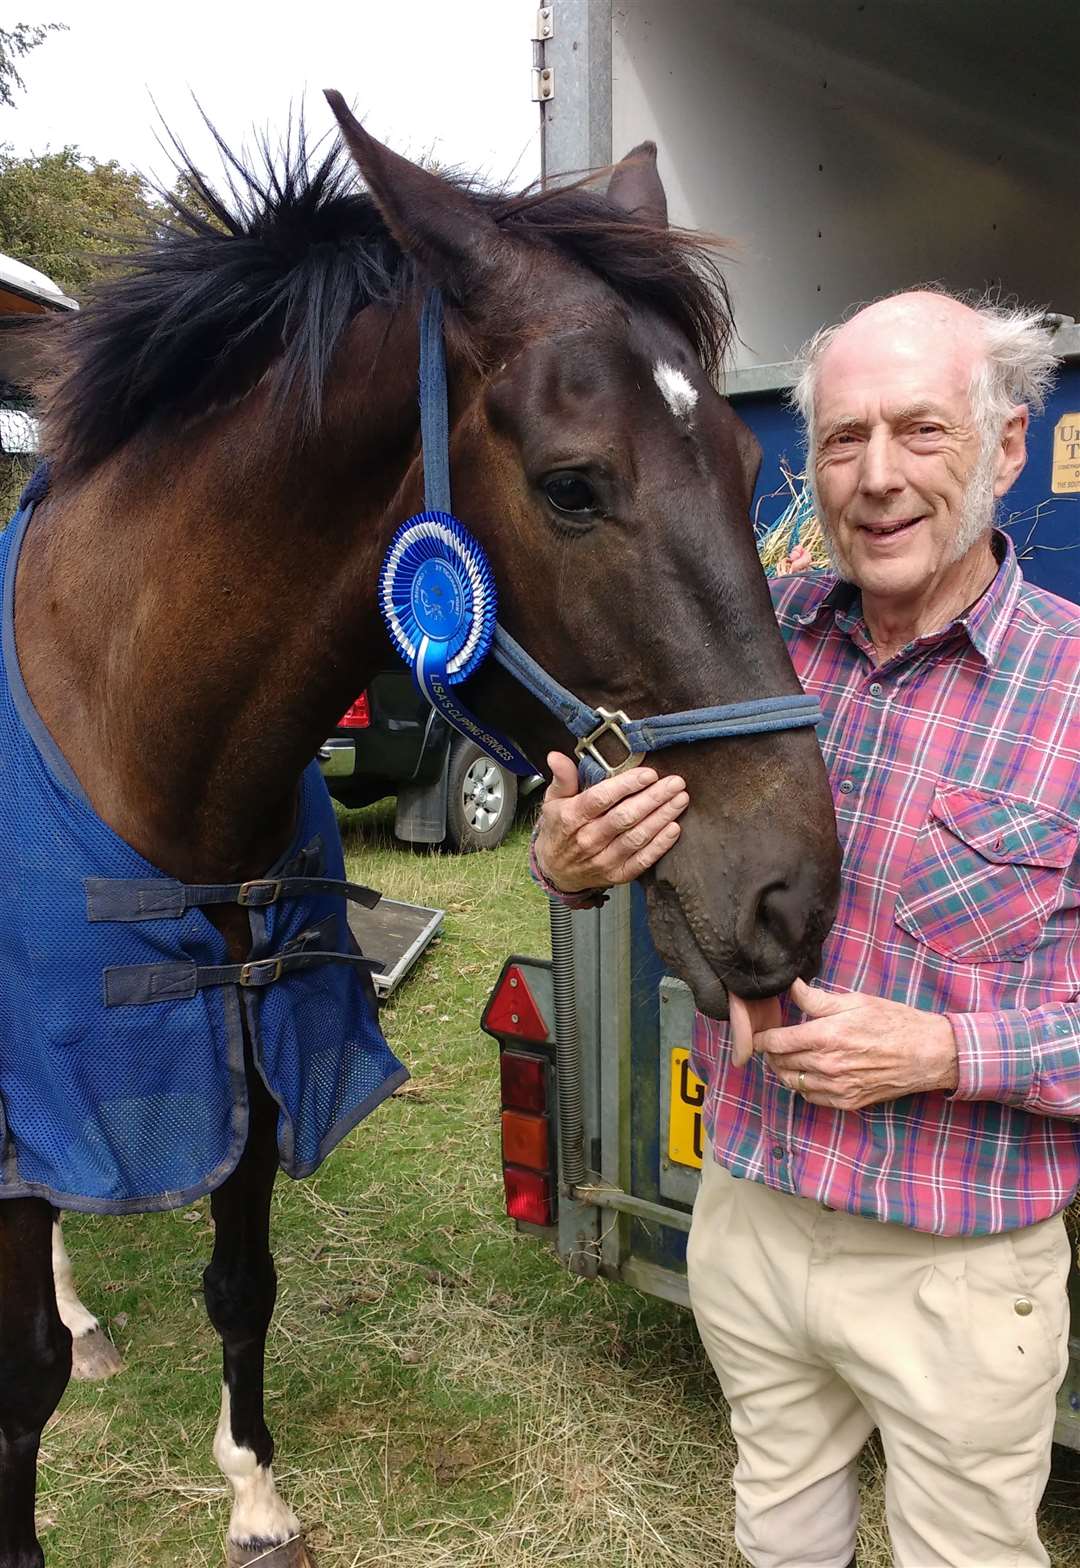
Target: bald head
x: 1006, y: 353
x: 927, y: 339
x: 918, y: 311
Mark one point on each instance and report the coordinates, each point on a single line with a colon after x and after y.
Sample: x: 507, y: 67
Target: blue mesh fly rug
x: 121, y: 1047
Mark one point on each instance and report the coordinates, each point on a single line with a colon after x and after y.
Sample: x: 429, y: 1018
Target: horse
x: 233, y: 437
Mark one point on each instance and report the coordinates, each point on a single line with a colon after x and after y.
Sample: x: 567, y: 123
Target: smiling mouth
x: 889, y: 530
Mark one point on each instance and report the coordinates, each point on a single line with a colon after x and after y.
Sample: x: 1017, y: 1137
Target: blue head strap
x: 630, y: 738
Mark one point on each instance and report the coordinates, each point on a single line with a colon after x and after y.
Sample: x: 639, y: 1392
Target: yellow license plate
x: 685, y: 1129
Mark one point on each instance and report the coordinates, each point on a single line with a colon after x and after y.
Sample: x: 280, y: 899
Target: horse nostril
x: 780, y: 917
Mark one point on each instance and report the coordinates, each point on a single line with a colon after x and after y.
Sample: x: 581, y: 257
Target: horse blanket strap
x: 139, y: 983
x: 437, y: 593
x: 160, y: 898
x: 126, y: 1024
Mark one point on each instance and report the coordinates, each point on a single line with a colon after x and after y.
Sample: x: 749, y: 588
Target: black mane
x: 269, y: 275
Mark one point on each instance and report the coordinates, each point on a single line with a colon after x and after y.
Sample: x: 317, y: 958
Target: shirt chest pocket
x: 984, y: 875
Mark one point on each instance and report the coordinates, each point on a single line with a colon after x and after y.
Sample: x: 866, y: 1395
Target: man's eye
x: 571, y: 493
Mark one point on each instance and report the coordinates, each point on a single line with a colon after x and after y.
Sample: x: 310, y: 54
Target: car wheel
x: 481, y: 799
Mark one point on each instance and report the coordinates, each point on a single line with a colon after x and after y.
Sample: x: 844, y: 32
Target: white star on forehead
x: 675, y: 389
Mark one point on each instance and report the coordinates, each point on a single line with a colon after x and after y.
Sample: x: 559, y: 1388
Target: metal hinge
x: 543, y: 84
x: 545, y: 24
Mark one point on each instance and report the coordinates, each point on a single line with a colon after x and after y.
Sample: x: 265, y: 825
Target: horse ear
x: 431, y: 219
x: 749, y: 449
x: 636, y: 186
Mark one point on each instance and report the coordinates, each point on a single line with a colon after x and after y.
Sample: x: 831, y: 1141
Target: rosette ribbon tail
x: 430, y: 674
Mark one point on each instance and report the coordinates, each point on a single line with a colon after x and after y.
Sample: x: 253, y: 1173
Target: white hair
x: 1018, y: 367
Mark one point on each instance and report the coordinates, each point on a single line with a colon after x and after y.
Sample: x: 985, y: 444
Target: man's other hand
x: 609, y: 833
x: 854, y: 1049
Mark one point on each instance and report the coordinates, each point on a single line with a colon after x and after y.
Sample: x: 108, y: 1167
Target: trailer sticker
x: 1065, y: 469
x: 685, y: 1131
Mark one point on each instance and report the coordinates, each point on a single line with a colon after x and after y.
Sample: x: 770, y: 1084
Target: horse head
x: 610, y: 487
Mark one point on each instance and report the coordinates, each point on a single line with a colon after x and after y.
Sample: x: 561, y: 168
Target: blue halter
x: 438, y: 597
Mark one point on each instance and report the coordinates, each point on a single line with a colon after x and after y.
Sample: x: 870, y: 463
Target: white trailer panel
x: 846, y: 147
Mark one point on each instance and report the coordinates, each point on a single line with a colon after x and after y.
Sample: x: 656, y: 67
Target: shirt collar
x: 984, y: 623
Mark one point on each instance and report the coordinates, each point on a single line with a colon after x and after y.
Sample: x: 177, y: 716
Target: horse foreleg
x: 93, y: 1354
x: 35, y: 1363
x: 240, y: 1286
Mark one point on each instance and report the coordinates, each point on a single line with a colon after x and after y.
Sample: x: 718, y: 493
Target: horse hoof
x: 253, y: 1554
x: 94, y: 1357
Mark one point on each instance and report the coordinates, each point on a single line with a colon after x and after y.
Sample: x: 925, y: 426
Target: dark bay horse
x: 233, y: 435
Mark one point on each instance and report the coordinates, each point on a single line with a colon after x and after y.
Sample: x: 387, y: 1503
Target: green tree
x: 15, y: 44
x: 63, y: 212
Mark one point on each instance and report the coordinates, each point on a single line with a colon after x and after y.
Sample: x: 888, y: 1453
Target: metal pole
x: 567, y: 1048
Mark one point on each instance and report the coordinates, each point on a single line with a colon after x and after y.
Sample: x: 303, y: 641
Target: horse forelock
x: 263, y: 277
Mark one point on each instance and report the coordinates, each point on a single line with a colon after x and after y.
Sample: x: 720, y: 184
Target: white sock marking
x: 73, y: 1314
x: 675, y: 389
x: 258, y: 1514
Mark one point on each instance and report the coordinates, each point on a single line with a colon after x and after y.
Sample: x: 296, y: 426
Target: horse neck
x: 193, y: 619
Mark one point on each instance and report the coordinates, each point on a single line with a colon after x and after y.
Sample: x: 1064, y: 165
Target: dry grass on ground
x: 442, y: 1392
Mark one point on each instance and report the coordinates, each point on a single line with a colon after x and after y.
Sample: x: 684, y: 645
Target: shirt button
x: 846, y: 786
x: 778, y: 1152
x: 1023, y: 1307
x: 876, y: 688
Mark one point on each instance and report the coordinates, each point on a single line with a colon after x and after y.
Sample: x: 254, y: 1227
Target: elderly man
x: 877, y: 1240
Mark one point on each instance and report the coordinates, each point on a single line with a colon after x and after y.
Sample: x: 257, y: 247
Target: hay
x: 796, y: 526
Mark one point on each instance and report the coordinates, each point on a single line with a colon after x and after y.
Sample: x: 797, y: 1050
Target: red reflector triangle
x: 513, y: 1011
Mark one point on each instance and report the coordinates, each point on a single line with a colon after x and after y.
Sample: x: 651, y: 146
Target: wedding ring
x: 800, y: 1083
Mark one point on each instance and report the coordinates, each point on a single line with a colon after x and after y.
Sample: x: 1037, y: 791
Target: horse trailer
x: 847, y: 150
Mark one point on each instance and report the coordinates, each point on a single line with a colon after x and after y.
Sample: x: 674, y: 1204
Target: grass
x: 441, y: 1391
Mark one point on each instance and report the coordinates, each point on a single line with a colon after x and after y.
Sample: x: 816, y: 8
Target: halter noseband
x: 437, y: 528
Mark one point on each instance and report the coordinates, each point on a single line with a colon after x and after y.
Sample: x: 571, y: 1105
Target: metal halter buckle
x: 257, y: 894
x: 614, y: 724
x: 262, y: 971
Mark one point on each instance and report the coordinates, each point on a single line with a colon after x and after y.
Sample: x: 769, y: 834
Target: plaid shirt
x: 955, y: 769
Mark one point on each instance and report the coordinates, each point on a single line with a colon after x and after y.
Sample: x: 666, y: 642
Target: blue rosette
x: 437, y: 597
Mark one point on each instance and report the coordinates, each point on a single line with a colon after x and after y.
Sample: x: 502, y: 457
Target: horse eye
x: 571, y: 493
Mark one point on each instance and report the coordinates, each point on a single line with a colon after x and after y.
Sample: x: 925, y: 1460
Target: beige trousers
x: 822, y: 1326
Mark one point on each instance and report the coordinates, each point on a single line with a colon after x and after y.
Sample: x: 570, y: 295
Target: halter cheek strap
x: 632, y: 738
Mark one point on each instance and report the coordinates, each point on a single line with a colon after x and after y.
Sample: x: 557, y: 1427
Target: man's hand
x: 855, y: 1050
x: 609, y: 833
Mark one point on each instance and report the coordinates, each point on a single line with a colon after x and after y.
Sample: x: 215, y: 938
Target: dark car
x: 392, y: 742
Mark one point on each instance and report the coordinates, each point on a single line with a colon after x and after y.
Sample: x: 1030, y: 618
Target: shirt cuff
x: 588, y: 898
x: 996, y: 1056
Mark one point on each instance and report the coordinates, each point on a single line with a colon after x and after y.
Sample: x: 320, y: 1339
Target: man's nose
x: 880, y: 473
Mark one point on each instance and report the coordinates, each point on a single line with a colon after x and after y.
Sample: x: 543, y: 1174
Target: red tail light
x: 528, y: 1196
x: 523, y: 1081
x: 358, y: 716
x: 517, y: 1014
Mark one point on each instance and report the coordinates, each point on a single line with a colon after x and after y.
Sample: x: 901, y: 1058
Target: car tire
x: 481, y: 799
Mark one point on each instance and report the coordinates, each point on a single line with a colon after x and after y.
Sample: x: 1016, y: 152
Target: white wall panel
x: 849, y: 147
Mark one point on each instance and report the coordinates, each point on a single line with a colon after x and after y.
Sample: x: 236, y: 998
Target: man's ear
x: 1012, y: 450
x: 449, y: 234
x: 636, y: 186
